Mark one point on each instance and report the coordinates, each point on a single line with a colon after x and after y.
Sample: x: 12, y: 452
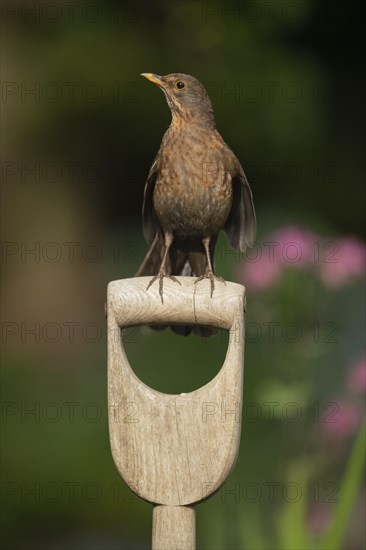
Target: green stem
x: 348, y: 493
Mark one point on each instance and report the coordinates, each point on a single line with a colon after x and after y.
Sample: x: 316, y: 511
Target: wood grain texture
x: 175, y: 449
x: 174, y: 528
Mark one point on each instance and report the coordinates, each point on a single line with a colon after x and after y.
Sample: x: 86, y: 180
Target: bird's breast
x: 193, y: 190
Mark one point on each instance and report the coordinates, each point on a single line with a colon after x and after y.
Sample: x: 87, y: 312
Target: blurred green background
x: 80, y: 129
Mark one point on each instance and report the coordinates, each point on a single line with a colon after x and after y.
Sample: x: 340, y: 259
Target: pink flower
x: 287, y: 247
x: 294, y: 246
x: 338, y: 262
x: 356, y: 380
x: 319, y: 518
x: 340, y: 420
x: 259, y: 275
x: 345, y: 263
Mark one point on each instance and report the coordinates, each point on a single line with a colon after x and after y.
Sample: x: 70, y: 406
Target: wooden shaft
x: 174, y: 528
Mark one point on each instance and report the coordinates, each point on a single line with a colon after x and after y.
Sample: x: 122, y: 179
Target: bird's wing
x: 150, y: 224
x: 241, y: 224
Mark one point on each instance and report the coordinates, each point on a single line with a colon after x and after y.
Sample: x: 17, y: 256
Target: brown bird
x: 195, y: 187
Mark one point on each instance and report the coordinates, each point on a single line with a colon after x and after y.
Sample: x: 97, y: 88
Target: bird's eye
x: 180, y: 84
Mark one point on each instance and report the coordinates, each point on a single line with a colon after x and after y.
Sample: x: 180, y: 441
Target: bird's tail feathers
x: 151, y: 265
x: 151, y: 262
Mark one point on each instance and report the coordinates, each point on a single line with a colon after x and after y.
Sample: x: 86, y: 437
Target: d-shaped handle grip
x: 174, y: 449
x: 187, y: 303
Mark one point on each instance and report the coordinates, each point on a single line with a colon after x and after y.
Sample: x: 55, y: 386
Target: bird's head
x: 186, y: 97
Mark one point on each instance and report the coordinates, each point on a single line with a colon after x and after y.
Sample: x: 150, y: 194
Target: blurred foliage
x: 287, y: 92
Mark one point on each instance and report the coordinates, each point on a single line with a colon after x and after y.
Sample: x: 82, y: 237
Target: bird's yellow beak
x: 155, y: 78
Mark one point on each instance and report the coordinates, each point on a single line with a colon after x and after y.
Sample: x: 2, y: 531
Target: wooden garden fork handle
x: 174, y: 450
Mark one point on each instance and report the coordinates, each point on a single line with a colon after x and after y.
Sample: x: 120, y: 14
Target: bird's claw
x: 162, y: 273
x: 213, y: 278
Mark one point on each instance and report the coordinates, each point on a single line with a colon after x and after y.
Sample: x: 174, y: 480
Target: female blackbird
x: 195, y: 187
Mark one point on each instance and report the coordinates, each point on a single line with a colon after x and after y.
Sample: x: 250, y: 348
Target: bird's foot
x: 162, y: 273
x: 210, y: 275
